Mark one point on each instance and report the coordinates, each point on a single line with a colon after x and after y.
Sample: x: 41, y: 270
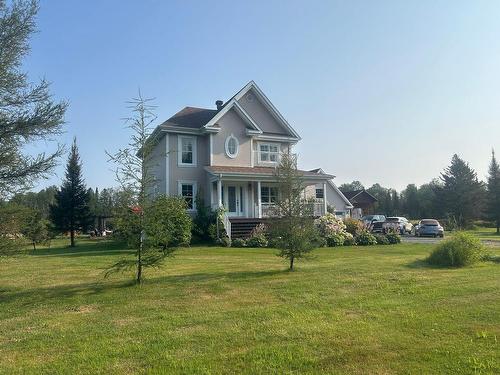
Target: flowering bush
x: 353, y: 226
x: 333, y: 230
x: 328, y: 225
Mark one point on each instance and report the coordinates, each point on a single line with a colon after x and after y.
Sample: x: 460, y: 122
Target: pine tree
x: 27, y: 112
x: 493, y: 188
x: 461, y: 194
x: 71, y: 211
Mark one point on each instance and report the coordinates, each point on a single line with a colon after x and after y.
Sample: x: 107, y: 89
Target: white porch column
x: 219, y: 192
x: 324, y: 199
x: 259, y: 201
x: 211, y: 194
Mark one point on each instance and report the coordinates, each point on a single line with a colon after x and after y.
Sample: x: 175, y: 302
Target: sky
x: 380, y: 91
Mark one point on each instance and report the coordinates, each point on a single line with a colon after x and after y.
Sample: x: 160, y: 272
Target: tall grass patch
x: 461, y: 250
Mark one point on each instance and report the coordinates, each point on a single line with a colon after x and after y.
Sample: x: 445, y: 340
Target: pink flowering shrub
x: 329, y: 226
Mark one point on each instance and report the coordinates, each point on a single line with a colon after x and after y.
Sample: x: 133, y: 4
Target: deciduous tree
x: 294, y: 231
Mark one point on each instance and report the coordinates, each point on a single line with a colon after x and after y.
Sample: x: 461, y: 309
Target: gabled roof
x: 203, y: 119
x: 191, y: 117
x: 330, y: 182
x: 354, y: 194
x: 267, y: 103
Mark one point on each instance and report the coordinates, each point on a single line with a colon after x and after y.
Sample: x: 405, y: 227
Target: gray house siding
x: 231, y: 123
x: 252, y: 105
x: 187, y: 173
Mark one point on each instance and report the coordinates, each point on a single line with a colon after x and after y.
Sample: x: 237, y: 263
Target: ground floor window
x: 320, y: 194
x: 188, y: 191
x: 268, y: 194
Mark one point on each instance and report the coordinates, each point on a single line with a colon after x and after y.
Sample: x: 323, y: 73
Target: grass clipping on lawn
x: 461, y: 250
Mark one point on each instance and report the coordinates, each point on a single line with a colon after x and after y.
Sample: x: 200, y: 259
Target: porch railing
x: 268, y: 210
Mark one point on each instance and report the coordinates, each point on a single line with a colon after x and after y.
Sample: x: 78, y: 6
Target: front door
x: 235, y: 198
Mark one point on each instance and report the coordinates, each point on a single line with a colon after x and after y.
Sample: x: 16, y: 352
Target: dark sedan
x: 429, y: 227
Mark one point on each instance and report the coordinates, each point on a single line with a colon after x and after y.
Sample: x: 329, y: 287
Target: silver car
x: 397, y: 224
x: 429, y: 227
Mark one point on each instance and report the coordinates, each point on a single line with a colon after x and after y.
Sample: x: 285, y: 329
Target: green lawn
x: 355, y: 310
x: 487, y: 234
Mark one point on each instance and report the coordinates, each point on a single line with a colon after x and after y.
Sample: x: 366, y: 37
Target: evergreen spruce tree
x: 461, y: 193
x: 27, y: 112
x: 71, y: 211
x: 493, y: 188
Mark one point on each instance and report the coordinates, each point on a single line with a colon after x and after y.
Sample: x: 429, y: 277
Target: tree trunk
x: 139, y: 261
x: 291, y: 263
x: 72, y: 236
x: 34, y: 246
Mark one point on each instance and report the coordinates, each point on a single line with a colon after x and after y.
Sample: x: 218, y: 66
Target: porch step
x: 241, y: 228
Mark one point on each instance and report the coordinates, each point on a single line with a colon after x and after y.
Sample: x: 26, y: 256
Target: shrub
x: 260, y: 229
x: 224, y: 241
x: 335, y: 240
x: 461, y: 250
x: 381, y: 239
x: 167, y: 223
x: 393, y: 238
x: 321, y: 241
x: 274, y: 242
x: 353, y: 226
x: 349, y: 240
x: 258, y: 240
x: 365, y: 238
x: 238, y: 242
x: 328, y: 225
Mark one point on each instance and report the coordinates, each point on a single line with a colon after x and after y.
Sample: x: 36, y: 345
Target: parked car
x: 368, y: 219
x: 373, y: 222
x: 397, y: 224
x: 429, y: 227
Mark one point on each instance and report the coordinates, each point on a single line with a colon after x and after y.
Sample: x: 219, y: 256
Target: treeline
x: 457, y: 196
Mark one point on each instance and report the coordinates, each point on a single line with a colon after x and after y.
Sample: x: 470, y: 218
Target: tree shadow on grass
x: 61, y: 292
x: 97, y: 248
x: 419, y: 263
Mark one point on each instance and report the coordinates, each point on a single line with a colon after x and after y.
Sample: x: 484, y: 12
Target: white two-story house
x: 229, y: 155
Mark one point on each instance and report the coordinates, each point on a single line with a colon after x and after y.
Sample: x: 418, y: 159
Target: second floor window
x: 268, y: 152
x: 187, y: 151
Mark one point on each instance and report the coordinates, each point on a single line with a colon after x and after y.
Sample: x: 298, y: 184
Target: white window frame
x: 195, y: 191
x: 269, y: 144
x: 270, y: 195
x: 179, y: 151
x: 226, y: 146
x: 316, y: 193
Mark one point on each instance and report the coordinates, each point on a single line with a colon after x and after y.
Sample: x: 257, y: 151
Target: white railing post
x: 259, y: 200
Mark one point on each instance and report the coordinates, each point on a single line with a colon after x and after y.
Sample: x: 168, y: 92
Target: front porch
x: 254, y: 199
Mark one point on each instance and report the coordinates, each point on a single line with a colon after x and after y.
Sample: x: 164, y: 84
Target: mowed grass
x: 487, y: 234
x: 355, y: 310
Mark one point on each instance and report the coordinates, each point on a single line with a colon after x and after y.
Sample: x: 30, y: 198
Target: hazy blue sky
x: 380, y: 91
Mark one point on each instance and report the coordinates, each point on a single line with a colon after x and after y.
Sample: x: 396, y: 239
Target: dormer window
x: 232, y: 146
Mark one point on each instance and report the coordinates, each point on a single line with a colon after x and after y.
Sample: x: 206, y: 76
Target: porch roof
x: 259, y: 172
